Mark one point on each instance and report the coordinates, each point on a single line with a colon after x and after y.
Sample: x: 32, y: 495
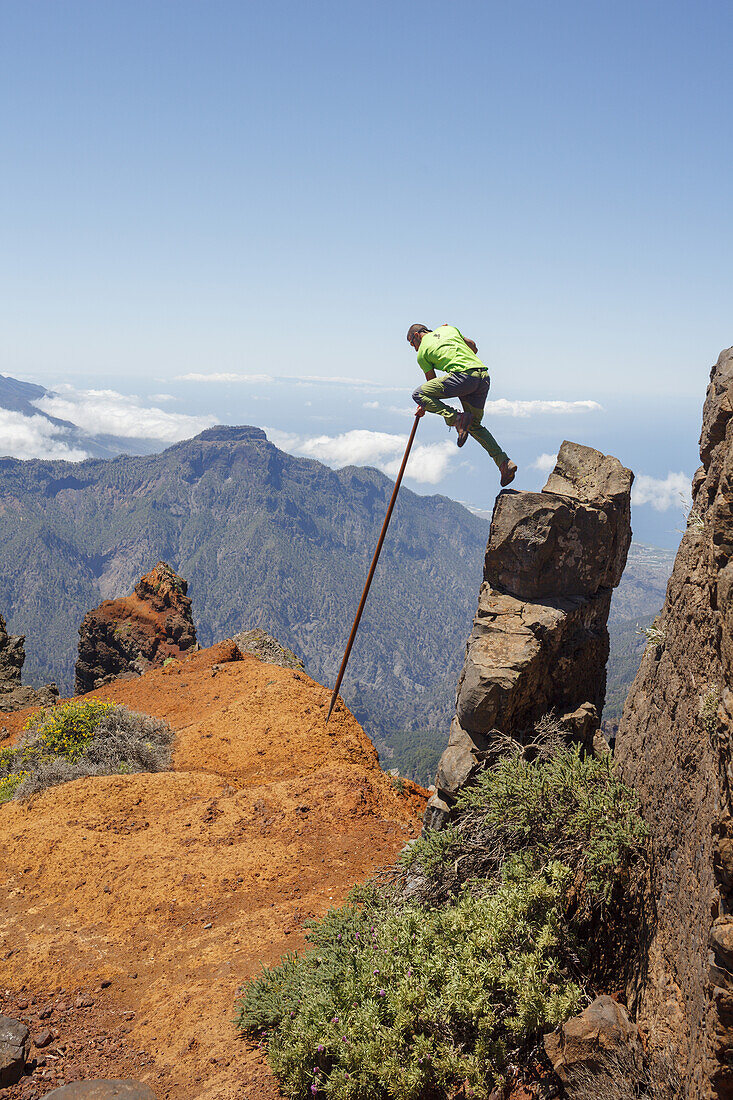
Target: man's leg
x: 429, y: 395
x: 473, y: 403
x: 483, y: 435
x: 472, y: 391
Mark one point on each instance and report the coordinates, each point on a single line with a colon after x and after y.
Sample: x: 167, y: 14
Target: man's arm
x: 423, y: 360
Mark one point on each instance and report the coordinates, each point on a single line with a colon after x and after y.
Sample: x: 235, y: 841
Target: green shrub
x: 394, y: 1000
x: 447, y: 969
x: 9, y: 784
x: 82, y: 738
x: 654, y: 634
x: 567, y: 807
x: 65, y: 730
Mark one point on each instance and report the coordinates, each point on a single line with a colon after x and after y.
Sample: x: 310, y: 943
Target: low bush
x: 444, y: 971
x: 82, y: 738
x: 565, y: 807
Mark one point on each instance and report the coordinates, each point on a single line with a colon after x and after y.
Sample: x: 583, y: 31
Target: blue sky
x: 280, y: 189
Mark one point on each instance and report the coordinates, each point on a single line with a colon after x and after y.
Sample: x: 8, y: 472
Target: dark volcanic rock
x: 569, y: 540
x: 12, y: 657
x: 539, y: 642
x: 15, y: 1045
x: 675, y: 746
x: 13, y: 694
x: 137, y: 632
x: 112, y: 1089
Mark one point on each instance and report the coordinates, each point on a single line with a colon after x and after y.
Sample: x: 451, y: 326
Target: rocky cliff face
x: 539, y: 642
x: 675, y: 746
x: 137, y: 632
x: 13, y: 693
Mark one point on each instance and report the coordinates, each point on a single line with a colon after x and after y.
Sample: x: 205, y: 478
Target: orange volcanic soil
x: 152, y: 897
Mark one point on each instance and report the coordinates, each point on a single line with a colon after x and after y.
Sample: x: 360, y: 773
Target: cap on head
x: 414, y: 329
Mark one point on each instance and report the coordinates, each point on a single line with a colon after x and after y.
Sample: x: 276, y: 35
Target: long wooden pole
x: 373, y: 566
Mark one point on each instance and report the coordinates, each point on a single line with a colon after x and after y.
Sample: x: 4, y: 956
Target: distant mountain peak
x: 230, y: 433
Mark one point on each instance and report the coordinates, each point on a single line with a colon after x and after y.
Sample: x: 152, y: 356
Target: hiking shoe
x: 464, y: 421
x: 508, y: 470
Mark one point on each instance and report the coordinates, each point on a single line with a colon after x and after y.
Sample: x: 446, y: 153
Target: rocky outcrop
x: 539, y: 642
x: 12, y: 657
x: 14, y: 695
x: 675, y: 746
x: 137, y: 632
x: 258, y: 643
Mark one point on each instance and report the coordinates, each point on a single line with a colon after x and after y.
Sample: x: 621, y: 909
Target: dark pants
x: 472, y: 391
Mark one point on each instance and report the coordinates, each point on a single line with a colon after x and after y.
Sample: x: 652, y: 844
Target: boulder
x: 588, y: 1041
x: 258, y: 643
x: 25, y: 696
x: 112, y: 1089
x: 569, y: 540
x: 15, y: 1045
x: 437, y: 812
x: 583, y: 727
x: 675, y: 747
x: 131, y: 634
x: 539, y: 642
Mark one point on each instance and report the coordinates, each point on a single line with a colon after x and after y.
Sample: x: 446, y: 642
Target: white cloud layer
x: 398, y: 410
x: 253, y: 379
x: 502, y: 407
x: 34, y: 437
x: 429, y: 462
x: 545, y: 463
x: 106, y: 412
x: 672, y: 491
x: 360, y: 384
x: 338, y: 380
x: 482, y: 513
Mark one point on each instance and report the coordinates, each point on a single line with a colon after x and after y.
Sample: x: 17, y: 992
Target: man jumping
x: 466, y: 378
